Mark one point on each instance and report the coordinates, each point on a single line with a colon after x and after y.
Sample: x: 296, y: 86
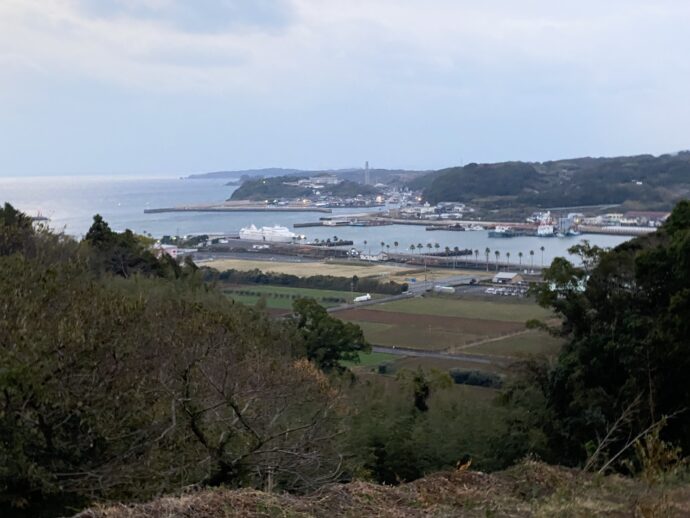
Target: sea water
x: 71, y: 202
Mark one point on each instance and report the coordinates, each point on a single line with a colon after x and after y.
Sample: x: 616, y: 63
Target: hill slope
x: 529, y: 489
x: 642, y: 181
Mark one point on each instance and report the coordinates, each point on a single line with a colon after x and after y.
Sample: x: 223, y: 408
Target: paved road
x: 470, y: 358
x: 414, y: 289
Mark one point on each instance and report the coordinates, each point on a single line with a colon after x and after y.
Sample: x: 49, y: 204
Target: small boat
x: 502, y: 231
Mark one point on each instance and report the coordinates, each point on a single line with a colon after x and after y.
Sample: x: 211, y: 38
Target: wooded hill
x: 283, y: 187
x: 642, y: 181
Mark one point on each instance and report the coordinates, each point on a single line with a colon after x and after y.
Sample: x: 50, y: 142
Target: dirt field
x: 393, y: 272
x: 307, y: 269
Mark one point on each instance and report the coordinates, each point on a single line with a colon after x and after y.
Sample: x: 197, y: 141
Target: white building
x: 506, y: 278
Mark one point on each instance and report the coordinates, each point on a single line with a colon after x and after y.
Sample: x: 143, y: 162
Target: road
x: 414, y: 289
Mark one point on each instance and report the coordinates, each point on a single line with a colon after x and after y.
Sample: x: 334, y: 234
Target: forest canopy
x: 641, y: 181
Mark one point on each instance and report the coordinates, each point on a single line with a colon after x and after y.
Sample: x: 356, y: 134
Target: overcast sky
x: 179, y: 86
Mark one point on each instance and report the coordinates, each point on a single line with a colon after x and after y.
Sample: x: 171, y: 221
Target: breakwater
x: 244, y: 208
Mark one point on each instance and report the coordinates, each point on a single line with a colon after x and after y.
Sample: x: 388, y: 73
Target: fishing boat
x: 502, y: 231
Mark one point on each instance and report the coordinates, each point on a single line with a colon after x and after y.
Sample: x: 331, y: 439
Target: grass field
x: 522, y: 345
x: 280, y: 297
x: 372, y: 359
x: 443, y: 365
x: 418, y: 336
x: 501, y: 309
x: 497, y: 327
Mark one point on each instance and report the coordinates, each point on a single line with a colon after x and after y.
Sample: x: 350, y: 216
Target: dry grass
x: 308, y: 268
x: 529, y: 489
x: 393, y: 272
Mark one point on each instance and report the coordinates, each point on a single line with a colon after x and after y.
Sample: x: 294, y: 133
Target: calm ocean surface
x: 71, y: 202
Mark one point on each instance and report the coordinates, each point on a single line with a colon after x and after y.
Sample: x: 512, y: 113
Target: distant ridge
x: 269, y: 171
x: 353, y: 174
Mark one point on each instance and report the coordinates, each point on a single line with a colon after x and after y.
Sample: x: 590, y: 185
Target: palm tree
x: 476, y: 256
x: 447, y: 249
x: 429, y: 246
x: 531, y: 257
x: 395, y: 244
x: 508, y: 258
x: 382, y: 245
x: 542, y: 256
x: 412, y: 248
x: 498, y: 254
x: 388, y: 248
x: 520, y: 257
x: 335, y: 239
x: 419, y: 247
x: 487, y: 251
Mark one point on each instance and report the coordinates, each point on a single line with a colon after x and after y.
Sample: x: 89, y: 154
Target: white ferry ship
x: 276, y: 234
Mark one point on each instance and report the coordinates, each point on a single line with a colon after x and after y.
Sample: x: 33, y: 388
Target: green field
x: 505, y: 310
x: 415, y: 336
x: 522, y: 345
x: 371, y: 359
x: 473, y: 326
x: 443, y: 365
x: 281, y: 297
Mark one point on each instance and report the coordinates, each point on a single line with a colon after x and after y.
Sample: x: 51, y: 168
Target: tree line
x: 124, y: 376
x: 318, y: 282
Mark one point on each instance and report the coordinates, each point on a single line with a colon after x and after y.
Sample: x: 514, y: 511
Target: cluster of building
x: 637, y: 222
x: 321, y: 196
x: 317, y: 182
x: 627, y: 219
x: 411, y: 209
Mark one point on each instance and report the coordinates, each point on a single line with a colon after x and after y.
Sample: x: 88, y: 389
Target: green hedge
x: 319, y: 282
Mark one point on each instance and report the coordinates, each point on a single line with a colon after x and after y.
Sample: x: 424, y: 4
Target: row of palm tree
x: 497, y: 253
x: 487, y: 252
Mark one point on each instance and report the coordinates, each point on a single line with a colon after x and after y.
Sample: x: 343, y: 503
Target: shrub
x: 476, y: 378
